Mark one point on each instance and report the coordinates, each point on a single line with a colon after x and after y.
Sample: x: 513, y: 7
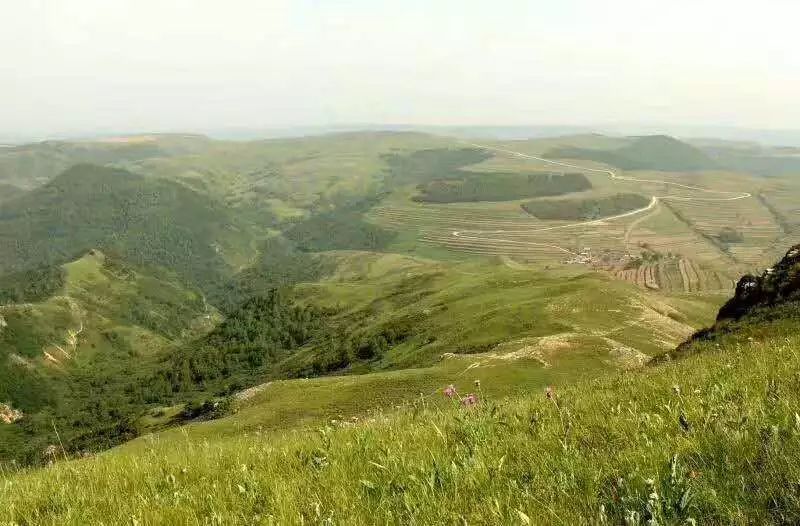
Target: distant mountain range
x: 769, y: 137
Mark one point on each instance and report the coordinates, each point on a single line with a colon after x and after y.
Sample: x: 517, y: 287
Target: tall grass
x: 713, y: 438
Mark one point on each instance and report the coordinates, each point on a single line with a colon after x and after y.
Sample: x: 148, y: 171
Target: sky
x: 87, y: 66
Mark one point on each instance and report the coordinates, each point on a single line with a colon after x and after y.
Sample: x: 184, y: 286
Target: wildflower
x: 450, y: 391
x: 469, y: 400
x: 549, y: 392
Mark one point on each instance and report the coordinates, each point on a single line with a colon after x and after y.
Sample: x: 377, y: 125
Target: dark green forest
x: 144, y: 220
x: 440, y: 178
x: 584, y: 209
x: 341, y: 227
x: 29, y: 286
x: 423, y: 165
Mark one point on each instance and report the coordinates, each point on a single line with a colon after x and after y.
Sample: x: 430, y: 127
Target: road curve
x: 732, y: 196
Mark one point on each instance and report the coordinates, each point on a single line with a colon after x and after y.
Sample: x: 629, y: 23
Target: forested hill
x: 30, y: 165
x: 653, y: 152
x: 144, y: 220
x: 75, y: 341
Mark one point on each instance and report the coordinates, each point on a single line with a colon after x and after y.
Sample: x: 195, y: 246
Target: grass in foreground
x: 712, y: 438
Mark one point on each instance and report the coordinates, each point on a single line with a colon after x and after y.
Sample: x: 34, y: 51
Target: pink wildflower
x: 469, y: 400
x: 549, y: 392
x: 450, y: 391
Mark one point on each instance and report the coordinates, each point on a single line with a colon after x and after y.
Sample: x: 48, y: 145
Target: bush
x: 730, y: 235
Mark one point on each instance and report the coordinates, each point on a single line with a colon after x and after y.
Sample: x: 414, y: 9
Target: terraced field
x: 684, y: 227
x: 678, y: 275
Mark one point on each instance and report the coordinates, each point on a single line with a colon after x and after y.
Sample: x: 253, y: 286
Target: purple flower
x: 450, y: 391
x: 469, y: 400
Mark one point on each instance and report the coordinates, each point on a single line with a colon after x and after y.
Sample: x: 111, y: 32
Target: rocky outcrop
x: 757, y: 302
x: 777, y: 285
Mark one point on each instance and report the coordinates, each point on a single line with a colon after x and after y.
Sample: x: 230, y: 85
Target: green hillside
x: 141, y: 338
x: 654, y: 152
x: 755, y: 159
x: 72, y: 348
x: 31, y: 165
x: 708, y: 438
x: 500, y: 187
x: 144, y: 220
x: 205, y: 305
x: 760, y: 304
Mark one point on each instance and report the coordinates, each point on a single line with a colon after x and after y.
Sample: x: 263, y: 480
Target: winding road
x: 471, y: 234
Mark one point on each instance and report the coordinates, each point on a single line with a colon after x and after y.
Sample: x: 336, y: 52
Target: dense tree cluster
x: 730, y: 235
x: 251, y: 340
x: 147, y: 221
x: 426, y: 165
x: 584, y: 209
x: 341, y: 226
x: 30, y: 286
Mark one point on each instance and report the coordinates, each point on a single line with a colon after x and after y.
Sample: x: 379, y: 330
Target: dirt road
x: 478, y: 235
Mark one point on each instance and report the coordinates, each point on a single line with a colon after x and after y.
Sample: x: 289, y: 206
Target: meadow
x: 116, y: 351
x: 708, y: 439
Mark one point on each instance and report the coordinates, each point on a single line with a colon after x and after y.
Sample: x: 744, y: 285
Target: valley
x: 213, y: 291
x: 269, y: 263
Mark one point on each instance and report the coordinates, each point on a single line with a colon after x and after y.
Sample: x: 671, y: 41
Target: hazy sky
x: 70, y: 66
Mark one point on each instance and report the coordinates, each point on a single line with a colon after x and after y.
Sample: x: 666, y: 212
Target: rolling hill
x: 652, y: 152
x: 152, y: 349
x: 707, y: 438
x: 270, y: 288
x: 73, y: 346
x: 144, y: 220
x: 32, y: 165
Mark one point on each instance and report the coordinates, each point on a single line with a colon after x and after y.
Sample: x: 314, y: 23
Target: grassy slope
x: 600, y: 449
x: 516, y: 328
x: 586, y: 327
x: 472, y: 307
x: 563, y: 324
x: 468, y: 307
